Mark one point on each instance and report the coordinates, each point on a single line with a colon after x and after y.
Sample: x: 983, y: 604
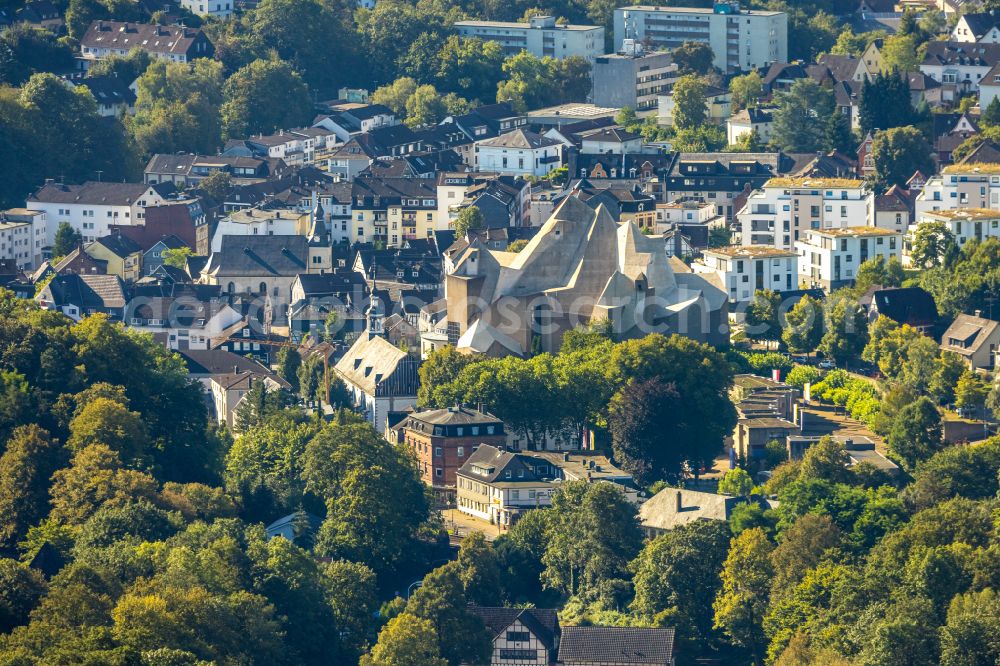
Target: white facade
x: 92, y: 213
x: 960, y: 186
x: 745, y: 270
x: 965, y: 224
x: 22, y: 236
x: 830, y: 258
x: 197, y: 335
x: 962, y: 32
x: 740, y: 39
x: 517, y: 161
x: 256, y: 222
x: 780, y: 212
x: 214, y: 8
x: 540, y: 37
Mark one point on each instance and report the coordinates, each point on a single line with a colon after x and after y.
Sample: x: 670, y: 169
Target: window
x: 460, y: 451
x: 518, y: 636
x: 438, y: 472
x: 438, y: 452
x: 506, y: 653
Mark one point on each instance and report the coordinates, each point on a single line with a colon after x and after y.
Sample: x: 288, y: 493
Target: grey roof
x: 163, y: 163
x: 370, y: 361
x: 520, y: 138
x: 454, y: 416
x: 961, y: 53
x: 617, y: 645
x: 169, y: 39
x: 661, y: 510
x: 980, y: 23
x: 973, y: 331
x: 259, y: 255
x: 108, y: 90
x: 121, y: 246
x: 543, y: 622
x: 906, y: 305
x: 97, y: 193
x: 219, y: 362
x: 87, y: 291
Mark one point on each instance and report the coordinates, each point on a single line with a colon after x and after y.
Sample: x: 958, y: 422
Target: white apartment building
x: 213, y: 8
x: 540, y: 37
x: 257, y: 222
x: 829, y: 258
x: 741, y: 271
x: 781, y: 211
x: 685, y: 212
x: 741, y: 39
x: 92, y: 207
x: 519, y: 153
x: 22, y: 236
x: 965, y: 224
x: 960, y: 186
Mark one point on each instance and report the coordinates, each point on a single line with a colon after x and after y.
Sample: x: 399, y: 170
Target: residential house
x: 113, y: 96
x: 78, y: 296
x: 504, y: 201
x: 443, y: 439
x: 91, y: 208
x: 154, y: 256
x: 625, y: 201
x: 904, y: 305
x: 894, y: 209
x: 315, y: 297
x: 780, y: 76
x: 79, y: 262
x: 350, y: 119
x: 721, y: 178
x: 176, y: 43
x: 250, y: 222
x: 218, y: 9
x: 541, y: 36
x: 184, y: 218
x: 187, y: 170
x: 522, y: 636
x: 640, y: 167
x: 360, y: 150
x: 965, y: 224
x: 488, y: 121
x: 520, y: 153
x: 41, y: 14
x: 674, y: 507
x: 499, y: 485
x: 756, y: 119
x: 830, y: 258
x: 122, y: 255
x: 960, y: 64
x: 781, y: 211
x: 393, y: 210
x: 976, y: 28
x: 182, y: 322
x: 692, y: 219
x: 228, y: 391
x: 613, y: 140
x: 616, y: 269
x: 617, y: 646
x: 380, y: 377
x: 989, y: 87
x: 965, y: 185
x: 975, y: 339
x: 570, y: 133
x: 743, y: 270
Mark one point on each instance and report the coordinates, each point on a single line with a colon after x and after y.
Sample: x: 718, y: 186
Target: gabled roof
x: 643, y: 646
x: 98, y: 292
x: 108, y: 90
x: 610, y: 135
x: 980, y: 23
x: 519, y: 138
x: 371, y: 361
x: 120, y: 246
x: 259, y: 256
x: 906, y: 305
x: 961, y: 53
x: 94, y: 193
x: 542, y: 622
x: 167, y: 39
x: 973, y: 332
x: 207, y: 362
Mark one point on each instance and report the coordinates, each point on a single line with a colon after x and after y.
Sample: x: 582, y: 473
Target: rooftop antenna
x: 99, y: 173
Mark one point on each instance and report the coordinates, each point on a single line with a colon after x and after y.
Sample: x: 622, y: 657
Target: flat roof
x: 574, y: 110
x: 815, y: 183
x: 525, y: 26
x: 966, y: 214
x: 976, y: 167
x: 750, y: 251
x: 695, y: 10
x: 854, y: 231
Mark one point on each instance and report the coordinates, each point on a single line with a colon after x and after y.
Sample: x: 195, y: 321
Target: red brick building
x: 443, y: 439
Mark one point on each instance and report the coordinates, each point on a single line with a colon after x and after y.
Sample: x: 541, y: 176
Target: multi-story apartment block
x: 779, y: 213
x: 503, y: 200
x: 633, y: 78
x: 721, y: 179
x: 393, y: 210
x: 829, y: 258
x: 540, y: 37
x: 22, y: 236
x: 92, y: 208
x: 965, y: 224
x: 258, y: 222
x: 741, y: 39
x: 974, y: 185
x: 741, y: 271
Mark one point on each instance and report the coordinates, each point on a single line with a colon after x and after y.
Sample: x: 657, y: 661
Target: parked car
x: 827, y: 364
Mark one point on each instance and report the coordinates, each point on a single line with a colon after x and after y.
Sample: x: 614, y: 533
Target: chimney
x: 236, y: 369
x: 978, y: 313
x: 678, y: 504
x: 566, y: 456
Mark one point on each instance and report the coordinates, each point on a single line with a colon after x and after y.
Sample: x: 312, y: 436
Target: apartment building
x: 633, y: 78
x: 741, y: 39
x: 258, y: 222
x: 722, y: 179
x: 22, y: 236
x: 779, y: 213
x: 540, y: 37
x: 829, y: 258
x: 176, y: 43
x: 393, y: 210
x: 741, y: 271
x: 965, y: 224
x: 519, y: 153
x: 975, y: 185
x: 93, y: 207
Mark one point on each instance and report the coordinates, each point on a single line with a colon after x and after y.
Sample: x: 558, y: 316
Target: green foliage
x: 690, y: 107
x: 26, y: 50
x: 763, y: 320
x: 885, y: 103
x: 878, y: 271
x: 846, y: 328
x: 899, y: 153
x: 736, y: 482
x: 176, y: 257
x: 916, y: 434
x: 693, y: 58
x: 408, y: 640
x: 971, y: 391
x: 217, y: 185
x: 536, y: 82
x: 469, y: 219
x: 262, y: 97
x: 746, y: 90
x: 461, y: 637
x: 804, y: 325
x: 800, y: 117
x: 859, y: 397
x: 762, y: 363
x: 801, y: 375
x: 746, y: 582
x: 67, y: 240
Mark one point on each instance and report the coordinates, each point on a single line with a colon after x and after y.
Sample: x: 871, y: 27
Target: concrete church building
x: 581, y: 267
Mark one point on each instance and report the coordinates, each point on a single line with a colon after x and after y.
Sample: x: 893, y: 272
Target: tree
x: 25, y: 470
x: 690, y: 108
x: 762, y: 321
x: 746, y: 582
x: 26, y: 50
x: 804, y: 330
x: 217, y: 185
x: 105, y: 421
x: 638, y: 418
x: 20, y: 590
x: 262, y: 97
x: 533, y: 82
x: 932, y: 242
x: 425, y: 107
x: 461, y: 637
x: 676, y: 578
x: 971, y: 391
x: 991, y: 115
x: 899, y: 53
x: 406, y: 640
x: 736, y: 482
x: 260, y: 403
x: 479, y: 570
x: 177, y: 257
x: 694, y: 58
x: 879, y: 272
x: 95, y: 476
x: 884, y: 103
x: 970, y: 635
x: 289, y: 362
x: 899, y: 153
x: 469, y: 219
x: 827, y: 460
x: 799, y: 121
x: 592, y: 535
x: 846, y: 329
x: 395, y: 95
x: 838, y: 133
x: 746, y: 90
x: 67, y: 240
x: 916, y: 433
x: 804, y: 545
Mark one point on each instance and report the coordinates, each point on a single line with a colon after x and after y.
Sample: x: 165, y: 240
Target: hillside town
x: 447, y: 333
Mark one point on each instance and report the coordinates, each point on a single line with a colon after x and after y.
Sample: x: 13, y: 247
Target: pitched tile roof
x: 94, y: 193
x: 87, y: 291
x: 519, y: 138
x: 543, y: 622
x: 617, y: 645
x: 165, y: 39
x: 259, y: 256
